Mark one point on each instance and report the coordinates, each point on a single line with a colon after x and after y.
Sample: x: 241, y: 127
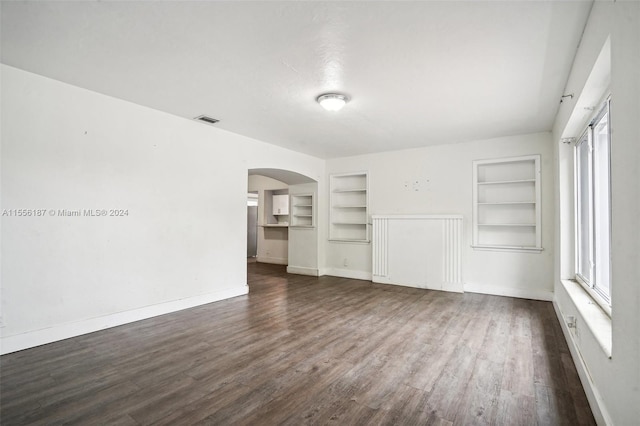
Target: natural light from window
x: 593, y: 207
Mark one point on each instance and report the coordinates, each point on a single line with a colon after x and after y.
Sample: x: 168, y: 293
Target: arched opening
x: 284, y: 223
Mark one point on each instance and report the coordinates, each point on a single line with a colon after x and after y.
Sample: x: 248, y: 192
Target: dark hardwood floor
x: 305, y: 350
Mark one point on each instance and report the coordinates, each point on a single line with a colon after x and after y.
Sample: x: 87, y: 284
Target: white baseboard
x: 274, y: 260
x: 43, y: 336
x: 520, y: 293
x: 451, y: 287
x: 348, y: 273
x: 301, y: 270
x: 600, y: 413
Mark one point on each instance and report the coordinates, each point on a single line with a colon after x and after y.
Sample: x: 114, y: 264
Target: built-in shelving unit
x: 302, y: 210
x: 348, y: 214
x: 506, y: 204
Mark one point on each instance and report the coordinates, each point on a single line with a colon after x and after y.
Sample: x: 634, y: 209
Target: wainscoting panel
x: 423, y: 251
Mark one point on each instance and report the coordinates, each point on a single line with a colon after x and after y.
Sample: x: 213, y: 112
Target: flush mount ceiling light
x: 332, y: 101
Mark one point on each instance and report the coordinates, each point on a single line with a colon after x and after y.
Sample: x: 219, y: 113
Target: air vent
x: 206, y: 119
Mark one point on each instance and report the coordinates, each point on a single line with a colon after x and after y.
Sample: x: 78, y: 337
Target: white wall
x: 183, y: 183
x: 444, y: 186
x: 613, y: 385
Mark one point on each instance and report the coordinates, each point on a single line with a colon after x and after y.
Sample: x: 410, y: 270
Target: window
x: 593, y: 207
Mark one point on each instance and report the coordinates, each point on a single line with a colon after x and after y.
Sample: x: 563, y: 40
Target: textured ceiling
x: 418, y: 73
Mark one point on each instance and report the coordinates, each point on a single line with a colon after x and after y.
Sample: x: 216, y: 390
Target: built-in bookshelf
x: 302, y: 210
x: 506, y: 204
x: 348, y: 215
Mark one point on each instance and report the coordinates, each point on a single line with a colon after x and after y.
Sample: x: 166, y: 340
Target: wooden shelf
x: 507, y: 224
x: 350, y: 190
x: 506, y: 203
x: 508, y: 248
x: 501, y: 182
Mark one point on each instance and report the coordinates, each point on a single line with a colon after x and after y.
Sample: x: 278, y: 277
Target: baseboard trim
x: 274, y: 260
x: 596, y: 403
x: 520, y: 293
x: 43, y: 336
x: 450, y: 287
x: 348, y: 273
x: 301, y: 270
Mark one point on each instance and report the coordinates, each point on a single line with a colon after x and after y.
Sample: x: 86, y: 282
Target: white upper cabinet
x: 280, y: 205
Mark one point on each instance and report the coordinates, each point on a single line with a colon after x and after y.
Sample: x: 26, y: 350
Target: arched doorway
x: 286, y: 227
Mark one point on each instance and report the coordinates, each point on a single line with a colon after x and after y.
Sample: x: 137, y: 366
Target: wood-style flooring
x: 305, y: 350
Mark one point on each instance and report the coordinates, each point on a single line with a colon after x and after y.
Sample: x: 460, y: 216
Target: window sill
x: 595, y: 318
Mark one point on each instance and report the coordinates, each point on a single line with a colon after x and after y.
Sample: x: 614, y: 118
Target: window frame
x: 584, y: 138
x: 592, y: 288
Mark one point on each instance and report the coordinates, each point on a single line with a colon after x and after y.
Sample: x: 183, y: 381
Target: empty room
x: 308, y: 212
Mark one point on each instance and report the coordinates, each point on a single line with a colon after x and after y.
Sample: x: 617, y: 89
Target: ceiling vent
x: 206, y: 119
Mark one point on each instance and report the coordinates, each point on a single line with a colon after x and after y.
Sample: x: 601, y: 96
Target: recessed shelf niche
x: 506, y: 204
x: 348, y: 214
x: 302, y: 210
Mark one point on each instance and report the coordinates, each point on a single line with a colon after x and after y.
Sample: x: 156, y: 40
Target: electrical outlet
x: 1, y: 321
x: 346, y: 262
x: 571, y: 321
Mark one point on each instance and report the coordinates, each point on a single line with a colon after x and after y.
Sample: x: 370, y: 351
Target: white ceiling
x: 418, y: 73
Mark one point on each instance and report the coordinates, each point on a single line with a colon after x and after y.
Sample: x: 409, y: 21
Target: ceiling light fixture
x: 332, y: 101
